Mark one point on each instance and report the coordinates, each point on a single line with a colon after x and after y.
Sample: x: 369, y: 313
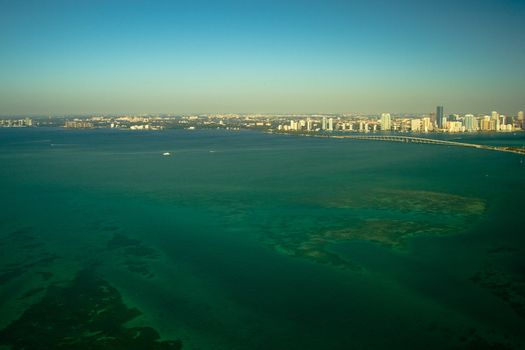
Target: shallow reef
x: 391, y: 233
x: 24, y: 251
x: 407, y: 201
x: 135, y: 254
x: 87, y: 313
x: 393, y: 217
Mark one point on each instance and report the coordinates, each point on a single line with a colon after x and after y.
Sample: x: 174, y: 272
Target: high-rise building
x: 495, y: 120
x: 309, y: 124
x: 440, y: 117
x: 323, y: 126
x: 432, y: 118
x: 502, y: 121
x: 521, y: 120
x: 426, y: 124
x: 470, y: 122
x: 485, y: 123
x: 330, y: 124
x: 415, y: 125
x: 386, y: 122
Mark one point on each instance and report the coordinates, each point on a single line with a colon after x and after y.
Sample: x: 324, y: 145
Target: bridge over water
x: 411, y: 139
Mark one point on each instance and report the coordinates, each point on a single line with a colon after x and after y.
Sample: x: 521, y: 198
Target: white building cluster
x: 16, y: 123
x: 454, y: 123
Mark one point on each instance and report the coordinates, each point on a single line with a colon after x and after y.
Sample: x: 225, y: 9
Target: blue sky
x: 62, y: 57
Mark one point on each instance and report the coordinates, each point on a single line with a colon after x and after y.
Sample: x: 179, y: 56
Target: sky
x: 115, y: 57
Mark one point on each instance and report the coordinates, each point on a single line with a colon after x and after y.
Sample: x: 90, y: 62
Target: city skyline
x: 137, y: 57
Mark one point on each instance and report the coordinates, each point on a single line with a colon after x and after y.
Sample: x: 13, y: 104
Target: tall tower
x: 439, y: 117
x: 323, y: 127
x: 495, y: 120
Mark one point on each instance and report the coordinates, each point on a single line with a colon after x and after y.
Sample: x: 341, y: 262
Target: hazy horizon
x: 277, y: 113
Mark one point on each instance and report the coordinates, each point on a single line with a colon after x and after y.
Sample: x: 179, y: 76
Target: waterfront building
x: 78, y: 124
x: 302, y: 124
x: 454, y: 126
x: 386, y: 122
x: 502, y: 122
x: 323, y: 126
x: 485, y: 123
x: 426, y: 124
x: 495, y: 121
x: 471, y: 123
x: 415, y: 125
x: 330, y: 124
x: 432, y: 118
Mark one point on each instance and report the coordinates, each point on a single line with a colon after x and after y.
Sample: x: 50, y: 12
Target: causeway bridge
x: 411, y: 139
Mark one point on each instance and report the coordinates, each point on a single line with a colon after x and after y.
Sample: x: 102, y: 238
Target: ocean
x: 247, y: 240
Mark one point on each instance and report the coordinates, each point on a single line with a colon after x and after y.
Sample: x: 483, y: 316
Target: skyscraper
x: 330, y: 124
x: 494, y: 118
x: 470, y: 122
x: 521, y: 120
x: 386, y: 123
x: 440, y: 118
x: 323, y: 126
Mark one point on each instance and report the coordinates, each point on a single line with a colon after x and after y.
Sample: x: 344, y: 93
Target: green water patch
x: 406, y: 201
x: 32, y: 292
x: 87, y: 313
x: 23, y: 252
x: 391, y: 233
x: 387, y: 232
x: 385, y: 217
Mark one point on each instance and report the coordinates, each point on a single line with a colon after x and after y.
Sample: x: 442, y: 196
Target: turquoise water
x: 243, y: 240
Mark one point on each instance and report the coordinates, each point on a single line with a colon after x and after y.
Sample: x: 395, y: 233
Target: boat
x: 166, y: 154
